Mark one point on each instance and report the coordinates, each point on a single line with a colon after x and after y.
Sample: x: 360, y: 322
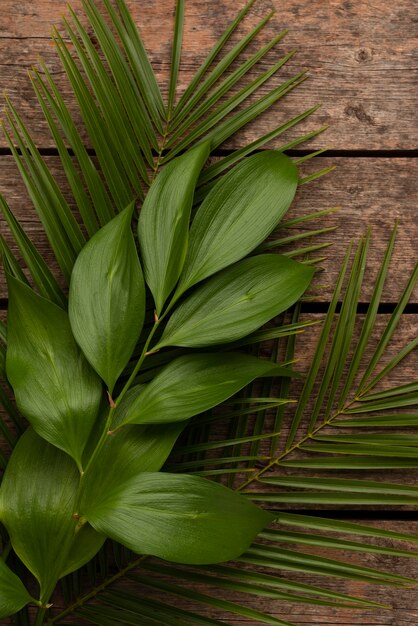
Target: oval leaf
x: 132, y: 449
x: 185, y: 519
x: 238, y: 214
x: 13, y: 595
x: 163, y: 226
x: 237, y: 301
x: 37, y: 500
x: 55, y: 387
x: 190, y: 385
x: 107, y: 298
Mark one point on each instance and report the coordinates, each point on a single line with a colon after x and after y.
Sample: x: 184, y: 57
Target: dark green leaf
x: 180, y: 518
x: 211, y: 379
x: 131, y: 450
x: 237, y: 301
x: 107, y: 298
x: 163, y: 226
x: 55, y: 387
x: 13, y: 595
x: 37, y: 500
x: 238, y: 214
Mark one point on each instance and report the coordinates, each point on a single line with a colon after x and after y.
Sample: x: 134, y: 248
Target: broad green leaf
x: 238, y: 214
x: 132, y: 449
x: 13, y: 595
x: 163, y: 225
x: 237, y: 301
x: 107, y: 298
x: 179, y: 518
x: 55, y: 387
x: 192, y: 384
x: 37, y: 500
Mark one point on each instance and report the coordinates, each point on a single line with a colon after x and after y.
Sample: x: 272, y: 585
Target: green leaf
x: 179, y: 518
x: 37, y: 500
x: 55, y: 387
x: 163, y: 225
x: 132, y: 449
x: 237, y: 301
x: 211, y: 379
x: 13, y: 595
x: 239, y: 212
x: 107, y: 298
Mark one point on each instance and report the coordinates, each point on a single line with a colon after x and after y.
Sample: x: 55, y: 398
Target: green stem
x: 140, y: 361
x: 108, y: 425
x: 40, y: 615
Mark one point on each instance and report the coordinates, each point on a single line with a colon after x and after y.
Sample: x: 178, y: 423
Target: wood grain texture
x: 362, y: 57
x: 370, y: 191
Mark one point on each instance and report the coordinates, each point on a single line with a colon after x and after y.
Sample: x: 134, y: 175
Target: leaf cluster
x: 113, y: 380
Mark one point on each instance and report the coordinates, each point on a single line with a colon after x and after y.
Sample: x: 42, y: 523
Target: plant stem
x: 107, y: 428
x: 40, y: 615
x: 276, y: 461
x: 140, y: 361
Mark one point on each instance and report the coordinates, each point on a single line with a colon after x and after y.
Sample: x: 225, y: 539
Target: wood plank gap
x: 368, y: 154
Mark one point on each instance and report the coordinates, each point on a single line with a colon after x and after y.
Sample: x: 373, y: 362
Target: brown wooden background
x: 363, y: 60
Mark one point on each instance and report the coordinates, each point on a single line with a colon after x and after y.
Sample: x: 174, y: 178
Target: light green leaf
x: 163, y: 225
x: 237, y: 301
x: 238, y: 213
x: 13, y: 595
x: 180, y: 518
x: 107, y: 298
x: 55, y: 387
x: 37, y: 500
x: 192, y: 384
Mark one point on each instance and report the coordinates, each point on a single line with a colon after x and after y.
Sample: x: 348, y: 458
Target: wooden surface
x: 363, y: 60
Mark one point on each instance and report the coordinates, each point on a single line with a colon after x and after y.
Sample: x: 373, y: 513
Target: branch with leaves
x: 168, y: 292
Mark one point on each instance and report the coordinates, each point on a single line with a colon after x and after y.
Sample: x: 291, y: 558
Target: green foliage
x: 13, y: 595
x: 238, y: 213
x: 196, y: 224
x: 163, y: 225
x: 38, y: 496
x: 237, y: 301
x: 107, y: 298
x: 185, y: 519
x: 211, y: 379
x: 54, y: 386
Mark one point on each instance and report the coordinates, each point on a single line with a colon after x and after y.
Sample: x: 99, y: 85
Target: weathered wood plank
x: 363, y: 60
x: 370, y: 191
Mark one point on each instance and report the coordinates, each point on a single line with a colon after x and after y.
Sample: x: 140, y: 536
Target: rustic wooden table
x: 363, y: 61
